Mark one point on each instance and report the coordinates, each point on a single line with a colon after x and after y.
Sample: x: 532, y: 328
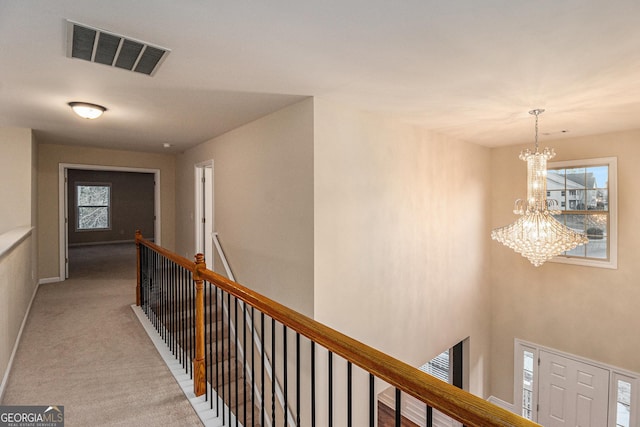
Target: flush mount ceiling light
x: 537, y: 235
x: 87, y: 110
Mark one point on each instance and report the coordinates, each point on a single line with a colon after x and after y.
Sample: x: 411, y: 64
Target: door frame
x: 63, y: 214
x: 615, y: 374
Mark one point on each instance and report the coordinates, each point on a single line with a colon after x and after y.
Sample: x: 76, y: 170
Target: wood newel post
x: 138, y: 237
x: 199, y: 366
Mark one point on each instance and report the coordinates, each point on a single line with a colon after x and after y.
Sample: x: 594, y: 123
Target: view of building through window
x: 93, y: 202
x: 582, y: 194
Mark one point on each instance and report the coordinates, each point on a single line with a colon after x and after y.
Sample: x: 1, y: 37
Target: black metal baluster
x: 185, y: 322
x: 235, y: 322
x: 229, y: 349
x: 152, y: 282
x: 429, y: 416
x: 253, y: 364
x: 297, y: 379
x: 262, y: 404
x: 349, y: 390
x: 330, y: 396
x: 154, y: 290
x: 172, y: 299
x: 372, y: 401
x: 217, y: 362
x: 161, y: 297
x: 223, y: 388
x: 207, y: 341
x: 284, y: 372
x: 398, y: 407
x: 143, y: 278
x: 160, y: 294
x: 157, y: 292
x: 163, y: 293
x: 211, y: 326
x: 176, y: 308
x: 183, y: 314
x: 244, y: 360
x: 141, y: 267
x: 192, y: 329
x: 176, y: 299
x: 150, y: 296
x: 273, y: 372
x: 313, y: 383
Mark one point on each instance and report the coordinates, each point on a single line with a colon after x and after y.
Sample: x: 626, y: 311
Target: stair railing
x: 309, y: 366
x: 257, y: 341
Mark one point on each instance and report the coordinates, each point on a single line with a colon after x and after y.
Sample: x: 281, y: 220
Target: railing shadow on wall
x: 325, y: 376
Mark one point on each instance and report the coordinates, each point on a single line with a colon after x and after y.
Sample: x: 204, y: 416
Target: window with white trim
x: 93, y: 206
x: 585, y: 191
x: 525, y: 381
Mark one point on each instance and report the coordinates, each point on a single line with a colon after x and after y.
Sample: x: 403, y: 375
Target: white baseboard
x: 499, y: 402
x: 109, y: 242
x: 208, y: 416
x: 49, y: 280
x: 5, y: 378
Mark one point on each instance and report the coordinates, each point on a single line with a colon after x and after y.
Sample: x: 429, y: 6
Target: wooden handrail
x: 460, y: 405
x: 177, y: 259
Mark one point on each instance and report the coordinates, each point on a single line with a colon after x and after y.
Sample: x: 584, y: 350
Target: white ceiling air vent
x: 95, y: 45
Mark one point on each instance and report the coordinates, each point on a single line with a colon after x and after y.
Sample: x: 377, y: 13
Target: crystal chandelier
x: 537, y: 235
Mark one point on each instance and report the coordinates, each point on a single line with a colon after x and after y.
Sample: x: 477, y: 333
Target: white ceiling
x: 468, y: 69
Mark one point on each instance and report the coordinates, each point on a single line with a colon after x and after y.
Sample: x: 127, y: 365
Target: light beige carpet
x: 83, y: 348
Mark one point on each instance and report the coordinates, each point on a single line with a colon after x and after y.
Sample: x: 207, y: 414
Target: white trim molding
x: 62, y: 207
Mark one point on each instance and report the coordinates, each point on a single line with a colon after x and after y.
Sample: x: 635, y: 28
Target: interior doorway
x: 65, y: 197
x: 203, y: 217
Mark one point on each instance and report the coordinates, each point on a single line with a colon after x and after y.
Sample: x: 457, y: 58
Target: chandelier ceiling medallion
x: 537, y: 235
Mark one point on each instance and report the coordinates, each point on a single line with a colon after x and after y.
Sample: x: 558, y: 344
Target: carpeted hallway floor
x: 83, y: 348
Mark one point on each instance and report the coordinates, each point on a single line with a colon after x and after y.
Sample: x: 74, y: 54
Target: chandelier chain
x: 536, y: 113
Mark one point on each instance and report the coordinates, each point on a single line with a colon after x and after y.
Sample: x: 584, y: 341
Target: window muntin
x: 93, y: 207
x: 584, y: 191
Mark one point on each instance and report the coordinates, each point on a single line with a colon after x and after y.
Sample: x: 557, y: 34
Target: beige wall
x: 263, y: 191
x: 51, y: 155
x: 401, y: 237
x: 17, y: 287
x: 18, y: 245
x: 590, y: 312
x: 15, y: 178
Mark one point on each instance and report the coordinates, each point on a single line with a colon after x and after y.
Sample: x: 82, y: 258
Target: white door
x: 208, y: 215
x: 204, y: 211
x: 571, y: 393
